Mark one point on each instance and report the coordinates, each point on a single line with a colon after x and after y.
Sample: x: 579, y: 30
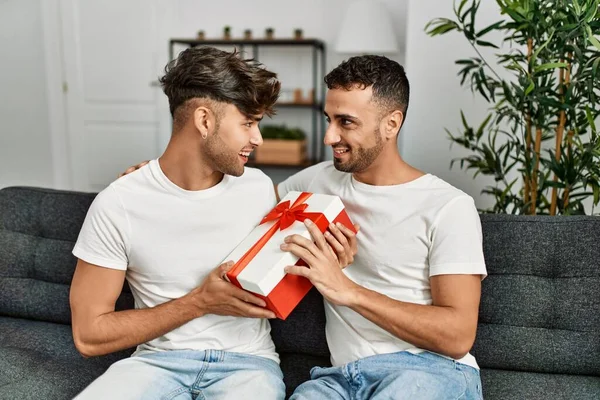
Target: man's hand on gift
x: 218, y: 296
x: 342, y: 241
x: 326, y: 256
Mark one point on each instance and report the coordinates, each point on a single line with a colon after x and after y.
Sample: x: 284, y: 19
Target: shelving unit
x: 318, y: 72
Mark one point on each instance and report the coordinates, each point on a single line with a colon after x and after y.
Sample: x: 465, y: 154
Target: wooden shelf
x: 249, y: 42
x: 289, y: 104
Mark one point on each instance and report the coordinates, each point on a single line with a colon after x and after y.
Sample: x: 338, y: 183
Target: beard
x: 360, y: 158
x: 221, y: 157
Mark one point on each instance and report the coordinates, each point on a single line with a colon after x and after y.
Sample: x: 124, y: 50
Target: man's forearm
x: 429, y: 327
x: 119, y: 330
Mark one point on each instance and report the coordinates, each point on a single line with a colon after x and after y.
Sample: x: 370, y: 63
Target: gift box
x: 259, y: 260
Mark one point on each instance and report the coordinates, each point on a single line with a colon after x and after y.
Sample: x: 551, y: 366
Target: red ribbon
x: 285, y: 215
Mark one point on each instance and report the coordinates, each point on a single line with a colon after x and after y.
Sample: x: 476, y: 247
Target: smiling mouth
x: 340, y: 151
x: 245, y: 155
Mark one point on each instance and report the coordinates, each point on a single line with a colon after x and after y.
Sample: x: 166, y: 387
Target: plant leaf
x: 588, y: 115
x: 483, y: 43
x: 594, y: 41
x: 595, y: 67
x: 529, y: 88
x: 439, y: 26
x: 537, y: 51
x: 464, y: 120
x: 546, y: 66
x: 493, y: 26
x: 591, y: 13
x: 577, y: 7
x: 460, y: 7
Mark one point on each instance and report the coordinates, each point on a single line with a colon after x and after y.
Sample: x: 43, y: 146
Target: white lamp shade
x: 366, y: 28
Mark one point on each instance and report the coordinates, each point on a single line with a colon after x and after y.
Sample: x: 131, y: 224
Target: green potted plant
x: 227, y: 32
x: 269, y: 33
x: 281, y: 145
x: 298, y: 34
x: 248, y: 34
x: 200, y: 35
x: 544, y: 104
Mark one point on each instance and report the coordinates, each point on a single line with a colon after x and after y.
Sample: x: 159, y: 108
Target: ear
x: 204, y: 121
x: 392, y: 124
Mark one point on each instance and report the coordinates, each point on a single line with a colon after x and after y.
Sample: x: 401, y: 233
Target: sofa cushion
x: 38, y: 229
x: 296, y: 368
x: 510, y: 385
x: 39, y: 361
x: 540, y: 302
x: 304, y: 329
x: 300, y: 340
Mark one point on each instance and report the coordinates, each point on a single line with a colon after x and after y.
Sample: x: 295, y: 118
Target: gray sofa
x: 539, y: 328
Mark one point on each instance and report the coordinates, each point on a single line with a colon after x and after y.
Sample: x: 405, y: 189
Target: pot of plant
x: 248, y: 34
x: 200, y: 35
x: 281, y: 145
x: 269, y: 33
x: 298, y: 34
x: 227, y: 33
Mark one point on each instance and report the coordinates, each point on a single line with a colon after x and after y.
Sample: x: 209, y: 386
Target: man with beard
x: 165, y: 228
x: 402, y: 317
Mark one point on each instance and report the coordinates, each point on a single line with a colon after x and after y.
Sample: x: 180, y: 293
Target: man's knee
x: 319, y: 389
x: 417, y: 384
x: 263, y: 382
x: 128, y: 379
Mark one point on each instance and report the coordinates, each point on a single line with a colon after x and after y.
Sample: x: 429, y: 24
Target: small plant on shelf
x: 298, y: 34
x: 269, y: 33
x: 281, y: 145
x: 282, y: 132
x: 248, y: 34
x: 227, y: 32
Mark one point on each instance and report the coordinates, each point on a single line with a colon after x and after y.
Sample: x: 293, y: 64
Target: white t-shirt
x: 408, y: 233
x: 168, y: 240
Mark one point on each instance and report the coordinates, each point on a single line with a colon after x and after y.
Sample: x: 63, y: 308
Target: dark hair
x: 210, y: 73
x: 389, y: 81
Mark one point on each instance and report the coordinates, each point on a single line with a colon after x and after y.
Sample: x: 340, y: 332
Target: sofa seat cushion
x: 500, y: 384
x: 39, y: 361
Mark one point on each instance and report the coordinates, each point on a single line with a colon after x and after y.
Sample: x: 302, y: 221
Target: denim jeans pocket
x: 473, y: 380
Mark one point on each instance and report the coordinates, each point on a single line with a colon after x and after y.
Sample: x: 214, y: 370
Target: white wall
x: 436, y: 96
x: 318, y: 18
x: 26, y: 141
x: 25, y: 155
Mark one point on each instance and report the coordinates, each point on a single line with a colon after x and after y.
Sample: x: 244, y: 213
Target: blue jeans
x: 186, y: 374
x: 399, y: 376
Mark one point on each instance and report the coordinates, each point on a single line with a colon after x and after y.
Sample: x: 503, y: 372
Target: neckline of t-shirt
x: 196, y: 194
x: 423, y: 179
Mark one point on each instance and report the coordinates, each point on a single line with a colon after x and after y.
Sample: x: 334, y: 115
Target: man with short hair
x: 164, y: 228
x: 402, y: 317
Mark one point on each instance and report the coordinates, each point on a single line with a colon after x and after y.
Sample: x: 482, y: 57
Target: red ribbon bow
x: 285, y: 215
